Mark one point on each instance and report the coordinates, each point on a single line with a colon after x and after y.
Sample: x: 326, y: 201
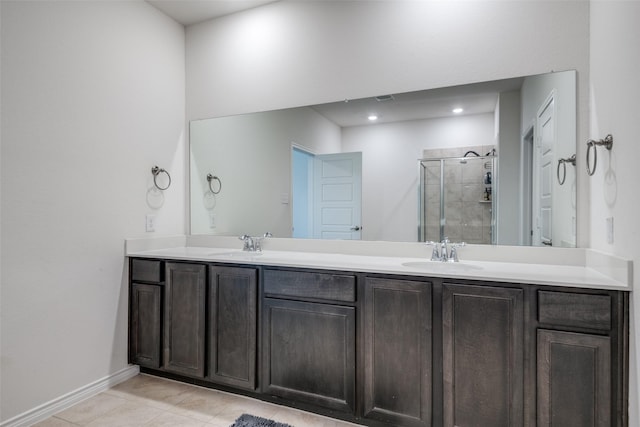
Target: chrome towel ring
x: 214, y: 178
x: 607, y: 142
x: 155, y: 171
x: 564, y: 162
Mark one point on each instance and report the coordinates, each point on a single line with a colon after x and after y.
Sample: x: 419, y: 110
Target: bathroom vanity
x: 385, y: 341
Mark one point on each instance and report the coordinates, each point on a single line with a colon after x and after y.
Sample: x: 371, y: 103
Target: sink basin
x: 443, y: 267
x: 236, y: 254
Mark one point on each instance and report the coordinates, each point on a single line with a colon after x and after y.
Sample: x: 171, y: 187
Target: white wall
x: 615, y: 67
x: 243, y: 150
x: 390, y: 154
x: 508, y: 177
x: 303, y: 53
x: 92, y: 98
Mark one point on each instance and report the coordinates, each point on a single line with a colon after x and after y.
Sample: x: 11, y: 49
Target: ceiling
x: 189, y: 12
x: 474, y: 98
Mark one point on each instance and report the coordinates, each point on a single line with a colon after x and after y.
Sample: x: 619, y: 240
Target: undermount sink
x: 236, y: 254
x: 439, y: 266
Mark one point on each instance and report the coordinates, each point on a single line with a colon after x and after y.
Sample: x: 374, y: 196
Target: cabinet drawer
x: 325, y: 286
x: 144, y: 270
x: 577, y: 310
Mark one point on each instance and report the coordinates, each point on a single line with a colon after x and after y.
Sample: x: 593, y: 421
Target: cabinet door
x: 309, y: 353
x: 574, y: 386
x: 397, y: 352
x: 144, y: 335
x: 184, y: 319
x: 483, y: 363
x: 232, y: 326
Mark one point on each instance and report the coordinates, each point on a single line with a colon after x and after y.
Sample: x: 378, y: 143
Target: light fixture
x: 372, y: 117
x: 457, y: 110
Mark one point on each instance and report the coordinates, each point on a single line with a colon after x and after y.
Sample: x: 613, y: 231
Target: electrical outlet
x: 150, y: 223
x: 610, y: 230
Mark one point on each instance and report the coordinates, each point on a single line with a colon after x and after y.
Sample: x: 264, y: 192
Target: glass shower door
x: 456, y: 199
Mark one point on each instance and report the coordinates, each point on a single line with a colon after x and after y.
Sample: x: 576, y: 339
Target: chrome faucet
x: 249, y: 243
x: 257, y: 241
x: 253, y: 244
x: 453, y: 251
x: 445, y: 251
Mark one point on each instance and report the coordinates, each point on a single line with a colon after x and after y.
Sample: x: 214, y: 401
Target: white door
x: 543, y: 173
x: 337, y: 196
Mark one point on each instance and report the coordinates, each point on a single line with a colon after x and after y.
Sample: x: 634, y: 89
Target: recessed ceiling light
x: 457, y: 110
x: 372, y: 117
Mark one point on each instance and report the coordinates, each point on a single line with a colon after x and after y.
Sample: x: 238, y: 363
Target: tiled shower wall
x: 468, y: 217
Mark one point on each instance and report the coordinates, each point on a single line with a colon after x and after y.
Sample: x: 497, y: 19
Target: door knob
x: 356, y: 228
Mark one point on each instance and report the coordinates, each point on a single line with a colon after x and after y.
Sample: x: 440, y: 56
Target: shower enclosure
x: 458, y: 199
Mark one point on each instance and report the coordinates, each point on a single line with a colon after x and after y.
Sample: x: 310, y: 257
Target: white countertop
x: 511, y: 272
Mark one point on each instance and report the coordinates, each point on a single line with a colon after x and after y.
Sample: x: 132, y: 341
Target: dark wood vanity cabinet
x: 195, y: 320
x: 462, y: 354
x: 309, y: 338
x: 580, y: 359
x: 397, y: 351
x: 145, y: 325
x: 483, y: 355
x: 145, y: 313
x: 387, y: 350
x: 185, y: 319
x: 574, y: 379
x: 232, y: 323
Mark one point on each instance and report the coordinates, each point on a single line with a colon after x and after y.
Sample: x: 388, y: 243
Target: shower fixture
x: 463, y: 161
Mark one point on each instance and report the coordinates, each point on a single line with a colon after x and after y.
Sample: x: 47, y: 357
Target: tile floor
x: 146, y: 400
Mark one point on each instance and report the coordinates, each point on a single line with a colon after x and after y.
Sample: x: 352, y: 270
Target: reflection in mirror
x: 328, y: 171
x: 327, y: 195
x: 457, y: 196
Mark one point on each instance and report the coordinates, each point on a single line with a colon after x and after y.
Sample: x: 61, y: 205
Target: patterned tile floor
x: 151, y: 401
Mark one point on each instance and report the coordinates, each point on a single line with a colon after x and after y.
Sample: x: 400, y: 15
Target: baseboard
x: 54, y: 406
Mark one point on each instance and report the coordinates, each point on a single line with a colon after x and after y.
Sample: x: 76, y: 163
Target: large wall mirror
x: 483, y: 163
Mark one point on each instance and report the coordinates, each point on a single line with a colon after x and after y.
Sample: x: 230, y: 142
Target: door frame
x: 527, y: 142
x: 310, y: 188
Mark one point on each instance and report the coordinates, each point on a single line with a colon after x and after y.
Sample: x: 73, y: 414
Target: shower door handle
x: 356, y: 228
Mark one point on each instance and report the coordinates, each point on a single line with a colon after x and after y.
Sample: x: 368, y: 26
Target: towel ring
x: 214, y: 178
x: 155, y: 171
x: 564, y: 162
x: 607, y: 142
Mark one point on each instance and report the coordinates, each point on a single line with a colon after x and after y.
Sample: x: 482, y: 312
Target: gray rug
x: 246, y: 420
